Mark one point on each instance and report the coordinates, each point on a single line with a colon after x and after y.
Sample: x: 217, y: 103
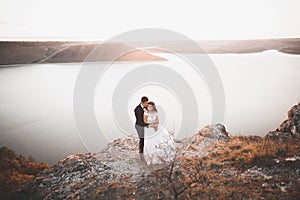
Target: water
x: 36, y: 101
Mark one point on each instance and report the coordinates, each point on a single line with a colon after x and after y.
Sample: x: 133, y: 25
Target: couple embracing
x: 156, y: 145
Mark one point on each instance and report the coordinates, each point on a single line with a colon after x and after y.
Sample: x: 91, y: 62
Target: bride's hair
x: 153, y: 105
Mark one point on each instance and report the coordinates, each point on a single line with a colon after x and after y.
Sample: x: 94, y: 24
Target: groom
x: 140, y: 124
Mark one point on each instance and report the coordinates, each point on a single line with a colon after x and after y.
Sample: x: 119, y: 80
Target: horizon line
x: 97, y: 40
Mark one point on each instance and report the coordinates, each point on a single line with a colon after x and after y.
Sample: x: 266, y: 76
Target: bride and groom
x: 156, y: 145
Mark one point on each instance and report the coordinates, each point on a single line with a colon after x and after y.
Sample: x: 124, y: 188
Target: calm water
x: 36, y: 101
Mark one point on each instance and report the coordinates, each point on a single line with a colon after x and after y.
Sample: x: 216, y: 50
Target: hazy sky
x: 199, y: 19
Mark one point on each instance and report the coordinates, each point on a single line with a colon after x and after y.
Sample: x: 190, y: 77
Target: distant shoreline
x: 25, y: 52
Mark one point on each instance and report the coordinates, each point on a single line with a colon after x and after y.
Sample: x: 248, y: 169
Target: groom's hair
x: 144, y: 99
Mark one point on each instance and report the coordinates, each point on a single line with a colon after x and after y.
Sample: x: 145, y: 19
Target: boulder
x: 289, y: 128
x: 202, y: 142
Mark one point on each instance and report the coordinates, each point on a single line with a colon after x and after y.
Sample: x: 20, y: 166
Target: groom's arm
x: 135, y: 113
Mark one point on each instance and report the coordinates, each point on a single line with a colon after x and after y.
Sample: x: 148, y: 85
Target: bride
x: 159, y: 146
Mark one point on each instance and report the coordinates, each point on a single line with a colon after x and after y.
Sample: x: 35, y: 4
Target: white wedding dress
x: 159, y: 146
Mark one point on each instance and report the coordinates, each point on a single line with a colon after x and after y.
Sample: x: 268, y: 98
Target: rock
x: 294, y: 158
x: 76, y: 176
x: 215, y: 131
x: 279, y: 136
x: 202, y: 142
x: 256, y: 172
x: 290, y: 128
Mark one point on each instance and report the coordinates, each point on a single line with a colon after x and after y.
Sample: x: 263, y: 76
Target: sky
x: 100, y: 20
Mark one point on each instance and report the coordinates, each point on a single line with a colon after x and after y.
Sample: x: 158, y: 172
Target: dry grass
x: 16, y: 171
x: 219, y: 175
x: 109, y: 191
x: 242, y: 151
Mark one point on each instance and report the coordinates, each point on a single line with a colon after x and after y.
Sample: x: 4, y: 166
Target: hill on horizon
x: 70, y: 52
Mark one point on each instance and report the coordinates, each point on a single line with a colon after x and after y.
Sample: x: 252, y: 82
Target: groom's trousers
x: 140, y: 130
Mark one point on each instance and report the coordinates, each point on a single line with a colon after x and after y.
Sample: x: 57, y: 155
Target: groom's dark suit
x: 140, y: 125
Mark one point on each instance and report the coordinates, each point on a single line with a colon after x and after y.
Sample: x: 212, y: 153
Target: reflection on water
x: 36, y: 101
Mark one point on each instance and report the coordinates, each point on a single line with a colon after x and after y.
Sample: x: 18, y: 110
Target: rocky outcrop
x: 202, y: 142
x: 117, y: 167
x: 214, y: 131
x: 208, y: 165
x: 81, y: 175
x: 290, y: 128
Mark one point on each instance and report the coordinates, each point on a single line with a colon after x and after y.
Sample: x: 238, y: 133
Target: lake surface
x: 37, y: 110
